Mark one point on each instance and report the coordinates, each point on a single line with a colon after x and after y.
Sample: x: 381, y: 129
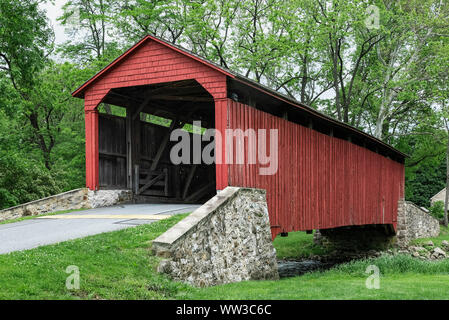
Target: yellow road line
x: 108, y: 216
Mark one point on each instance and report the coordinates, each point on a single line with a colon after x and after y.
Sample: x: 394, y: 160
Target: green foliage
x: 390, y: 81
x: 25, y: 38
x: 437, y: 210
x: 7, y: 199
x: 25, y: 180
x: 425, y: 180
x: 46, y: 156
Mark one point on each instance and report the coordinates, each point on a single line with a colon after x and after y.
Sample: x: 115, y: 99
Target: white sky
x: 53, y: 12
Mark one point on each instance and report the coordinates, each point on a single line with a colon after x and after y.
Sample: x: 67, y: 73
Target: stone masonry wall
x: 414, y: 223
x: 226, y: 240
x: 71, y: 200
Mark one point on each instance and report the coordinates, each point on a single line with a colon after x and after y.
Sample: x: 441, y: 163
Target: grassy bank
x: 114, y: 265
x: 120, y: 265
x: 402, y: 277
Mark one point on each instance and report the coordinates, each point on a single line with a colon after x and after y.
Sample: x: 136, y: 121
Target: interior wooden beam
x: 129, y: 160
x: 174, y: 124
x: 189, y: 181
x: 155, y: 109
x: 182, y: 98
x: 200, y: 192
x: 141, y: 106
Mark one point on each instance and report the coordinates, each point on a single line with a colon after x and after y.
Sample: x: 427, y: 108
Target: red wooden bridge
x: 329, y: 174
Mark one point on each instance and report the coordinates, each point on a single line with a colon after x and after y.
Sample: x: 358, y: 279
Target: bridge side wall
x: 414, y: 223
x: 71, y: 200
x: 226, y: 240
x: 322, y: 181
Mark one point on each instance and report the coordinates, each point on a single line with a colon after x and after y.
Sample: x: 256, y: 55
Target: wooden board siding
x: 151, y: 136
x: 153, y: 63
x: 112, y: 157
x: 112, y: 151
x: 322, y: 182
x: 148, y: 62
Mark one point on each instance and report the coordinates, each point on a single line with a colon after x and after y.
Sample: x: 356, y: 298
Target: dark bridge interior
x: 134, y: 143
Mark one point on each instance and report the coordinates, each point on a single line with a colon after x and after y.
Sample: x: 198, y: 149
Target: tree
x: 25, y: 42
x: 89, y: 24
x: 163, y: 18
x: 404, y: 60
x: 49, y: 103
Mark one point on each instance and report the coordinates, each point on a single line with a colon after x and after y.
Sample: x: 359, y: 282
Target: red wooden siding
x: 149, y: 62
x: 152, y: 63
x: 322, y: 182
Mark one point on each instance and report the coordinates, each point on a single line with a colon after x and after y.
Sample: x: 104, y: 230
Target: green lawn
x: 402, y: 277
x: 332, y: 286
x: 296, y: 245
x: 120, y: 265
x: 114, y: 265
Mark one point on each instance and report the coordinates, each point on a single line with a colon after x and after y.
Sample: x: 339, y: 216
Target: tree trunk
x: 447, y: 184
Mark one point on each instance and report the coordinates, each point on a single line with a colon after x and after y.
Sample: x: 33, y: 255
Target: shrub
x: 437, y: 210
x: 25, y: 180
x: 7, y: 199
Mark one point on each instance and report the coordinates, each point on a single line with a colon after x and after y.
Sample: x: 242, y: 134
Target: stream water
x: 291, y: 268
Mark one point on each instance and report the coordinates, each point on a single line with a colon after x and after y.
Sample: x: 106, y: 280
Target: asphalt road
x: 36, y: 232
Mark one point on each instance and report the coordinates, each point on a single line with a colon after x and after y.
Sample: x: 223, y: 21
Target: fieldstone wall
x: 228, y: 239
x: 414, y: 223
x: 107, y: 198
x: 71, y: 200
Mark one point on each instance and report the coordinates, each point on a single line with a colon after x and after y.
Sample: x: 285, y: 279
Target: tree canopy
x: 379, y: 65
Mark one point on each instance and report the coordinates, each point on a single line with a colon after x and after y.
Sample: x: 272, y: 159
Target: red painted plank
x: 322, y: 181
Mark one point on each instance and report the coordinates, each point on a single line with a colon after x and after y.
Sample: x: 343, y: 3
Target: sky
x: 53, y: 12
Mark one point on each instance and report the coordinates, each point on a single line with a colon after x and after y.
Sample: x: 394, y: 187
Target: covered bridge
x: 328, y: 174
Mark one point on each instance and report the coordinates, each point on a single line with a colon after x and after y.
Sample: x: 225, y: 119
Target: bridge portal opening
x: 137, y: 138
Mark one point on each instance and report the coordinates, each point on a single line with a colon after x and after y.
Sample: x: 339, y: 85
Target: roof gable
x: 79, y: 93
x: 438, y: 193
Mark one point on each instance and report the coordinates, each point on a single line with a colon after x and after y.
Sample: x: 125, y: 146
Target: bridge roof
x: 79, y: 93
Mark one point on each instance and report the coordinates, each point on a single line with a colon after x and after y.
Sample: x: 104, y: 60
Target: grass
x: 402, y: 277
x: 41, y: 215
x: 120, y: 265
x: 444, y: 235
x: 331, y: 286
x: 297, y: 245
x: 114, y: 265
